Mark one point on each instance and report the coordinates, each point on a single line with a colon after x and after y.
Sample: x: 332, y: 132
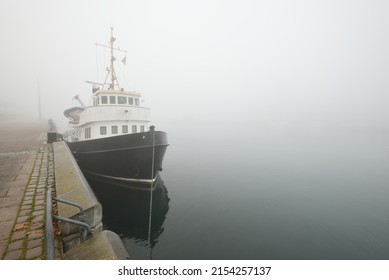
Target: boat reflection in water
x: 126, y: 212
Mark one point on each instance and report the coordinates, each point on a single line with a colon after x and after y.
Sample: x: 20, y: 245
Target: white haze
x: 270, y: 63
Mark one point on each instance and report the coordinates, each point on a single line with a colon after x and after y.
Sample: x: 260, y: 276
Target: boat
x: 112, y: 139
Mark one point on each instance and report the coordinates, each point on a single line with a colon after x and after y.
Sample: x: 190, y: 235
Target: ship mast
x: 113, y: 76
x: 111, y: 70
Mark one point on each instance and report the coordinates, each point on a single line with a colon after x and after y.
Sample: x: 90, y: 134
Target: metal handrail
x: 82, y: 212
x: 85, y: 234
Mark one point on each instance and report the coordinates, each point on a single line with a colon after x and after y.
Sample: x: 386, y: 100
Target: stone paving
x: 25, y: 176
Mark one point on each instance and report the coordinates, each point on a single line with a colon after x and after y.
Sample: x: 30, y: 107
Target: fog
x: 265, y: 63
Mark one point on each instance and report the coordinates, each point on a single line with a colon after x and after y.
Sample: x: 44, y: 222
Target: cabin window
x: 142, y: 128
x: 112, y: 100
x: 136, y: 101
x: 131, y: 101
x: 134, y: 129
x: 125, y: 129
x: 87, y: 133
x: 114, y: 129
x: 103, y: 130
x: 122, y: 100
x: 104, y: 100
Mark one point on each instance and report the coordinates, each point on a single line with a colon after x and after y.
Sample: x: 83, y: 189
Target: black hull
x: 124, y: 159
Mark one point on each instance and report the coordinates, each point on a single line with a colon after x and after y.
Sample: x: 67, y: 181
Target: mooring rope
x: 151, y: 194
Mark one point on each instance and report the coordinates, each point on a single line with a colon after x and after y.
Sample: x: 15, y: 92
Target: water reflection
x: 126, y: 211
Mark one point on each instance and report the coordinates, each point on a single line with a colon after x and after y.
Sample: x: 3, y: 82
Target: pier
x: 31, y: 167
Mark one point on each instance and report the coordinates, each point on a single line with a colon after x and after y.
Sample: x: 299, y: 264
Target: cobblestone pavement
x: 26, y: 171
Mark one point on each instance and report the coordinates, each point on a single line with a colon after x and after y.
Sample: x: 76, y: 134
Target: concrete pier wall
x: 72, y: 186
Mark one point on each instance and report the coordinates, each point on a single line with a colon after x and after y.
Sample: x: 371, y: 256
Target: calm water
x: 264, y: 194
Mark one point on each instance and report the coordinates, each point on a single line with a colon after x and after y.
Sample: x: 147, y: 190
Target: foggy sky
x: 258, y: 62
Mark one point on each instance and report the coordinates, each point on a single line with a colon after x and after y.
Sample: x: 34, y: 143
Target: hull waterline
x: 124, y: 160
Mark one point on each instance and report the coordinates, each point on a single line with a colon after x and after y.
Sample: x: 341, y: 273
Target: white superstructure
x: 113, y: 111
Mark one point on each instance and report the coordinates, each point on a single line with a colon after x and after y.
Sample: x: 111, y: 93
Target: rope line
x: 151, y: 196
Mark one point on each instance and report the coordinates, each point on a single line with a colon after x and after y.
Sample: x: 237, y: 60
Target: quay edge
x: 72, y: 186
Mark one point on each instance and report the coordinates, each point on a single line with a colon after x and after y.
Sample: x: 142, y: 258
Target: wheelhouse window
x: 114, y: 129
x: 125, y: 129
x: 122, y: 100
x: 103, y: 130
x: 142, y: 128
x: 112, y: 100
x: 104, y: 99
x: 131, y: 101
x: 136, y: 101
x: 134, y: 130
